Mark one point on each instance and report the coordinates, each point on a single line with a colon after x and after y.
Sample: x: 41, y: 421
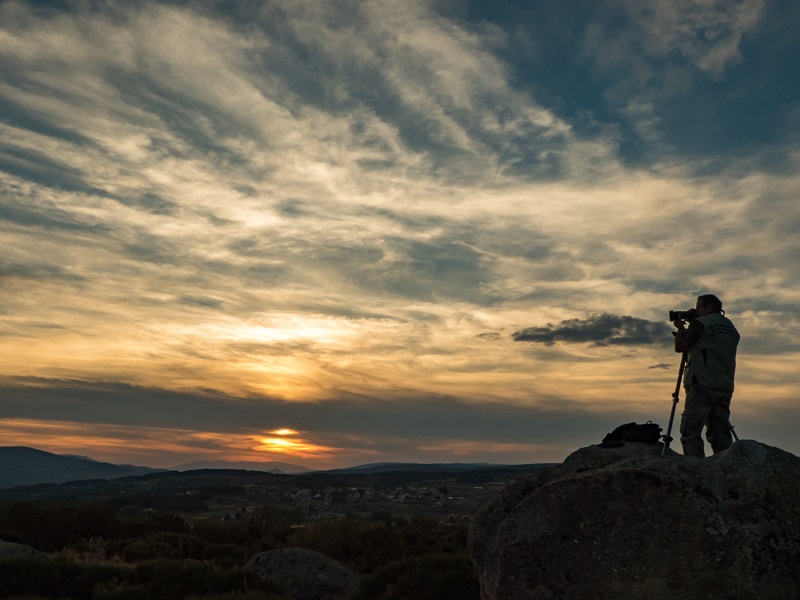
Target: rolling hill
x: 267, y: 467
x: 20, y: 465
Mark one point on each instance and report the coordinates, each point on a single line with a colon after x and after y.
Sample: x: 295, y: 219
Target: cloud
x: 599, y: 330
x: 672, y: 77
x: 334, y: 203
x: 707, y: 35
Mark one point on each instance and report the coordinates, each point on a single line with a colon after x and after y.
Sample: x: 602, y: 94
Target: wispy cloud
x: 704, y: 35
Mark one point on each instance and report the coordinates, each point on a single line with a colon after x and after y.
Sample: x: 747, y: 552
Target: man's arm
x: 684, y: 338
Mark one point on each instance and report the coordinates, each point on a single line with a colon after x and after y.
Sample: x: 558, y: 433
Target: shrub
x: 178, y: 579
x: 214, y: 531
x: 173, y: 580
x: 239, y: 596
x: 11, y: 536
x: 135, y: 592
x: 432, y: 577
x: 366, y: 544
x: 60, y: 579
x: 225, y: 555
x: 91, y: 550
x: 49, y: 526
x: 147, y: 550
x: 187, y: 545
x: 270, y: 526
x: 382, y: 516
x: 361, y: 544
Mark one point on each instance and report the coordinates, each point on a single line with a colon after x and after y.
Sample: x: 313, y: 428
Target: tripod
x: 675, y: 396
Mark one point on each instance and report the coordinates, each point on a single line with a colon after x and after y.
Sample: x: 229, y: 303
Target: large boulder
x: 304, y: 574
x: 12, y: 551
x: 626, y: 523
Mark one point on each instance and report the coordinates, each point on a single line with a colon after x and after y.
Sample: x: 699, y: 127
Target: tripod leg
x: 675, y: 396
x: 667, y: 438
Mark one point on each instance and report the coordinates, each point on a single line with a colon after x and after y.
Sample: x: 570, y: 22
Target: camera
x: 683, y: 315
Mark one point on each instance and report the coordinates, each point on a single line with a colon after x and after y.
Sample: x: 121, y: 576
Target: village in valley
x: 233, y: 495
x: 453, y: 500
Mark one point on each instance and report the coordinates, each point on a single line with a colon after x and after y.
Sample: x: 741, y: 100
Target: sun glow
x: 284, y: 432
x: 283, y: 327
x: 289, y: 441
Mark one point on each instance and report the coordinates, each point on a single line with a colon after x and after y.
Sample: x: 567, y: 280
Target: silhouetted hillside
x: 388, y: 467
x: 27, y: 466
x: 267, y: 467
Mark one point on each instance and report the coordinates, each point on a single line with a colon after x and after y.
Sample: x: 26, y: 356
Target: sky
x: 338, y: 233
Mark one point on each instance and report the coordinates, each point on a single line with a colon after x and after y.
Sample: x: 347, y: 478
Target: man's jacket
x: 712, y: 358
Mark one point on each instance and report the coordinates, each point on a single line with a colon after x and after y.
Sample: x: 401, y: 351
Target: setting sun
x: 284, y: 432
x: 289, y: 441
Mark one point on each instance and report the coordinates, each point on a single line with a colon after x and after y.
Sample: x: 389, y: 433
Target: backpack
x: 649, y: 433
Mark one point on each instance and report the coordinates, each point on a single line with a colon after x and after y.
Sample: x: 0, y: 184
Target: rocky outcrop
x: 305, y: 575
x: 12, y: 551
x: 626, y: 523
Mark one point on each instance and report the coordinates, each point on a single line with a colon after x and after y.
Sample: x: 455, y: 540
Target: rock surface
x: 11, y: 551
x: 305, y: 575
x: 627, y: 523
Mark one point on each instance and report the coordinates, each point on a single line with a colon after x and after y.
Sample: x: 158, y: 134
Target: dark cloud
x: 180, y: 112
x: 45, y: 170
x: 50, y: 218
x: 661, y: 366
x: 491, y: 336
x: 394, y: 429
x: 153, y: 249
x: 445, y: 266
x: 411, y: 221
x: 24, y: 117
x: 292, y: 207
x: 201, y: 301
x: 151, y: 203
x: 615, y: 69
x: 599, y: 330
x: 421, y: 417
x: 36, y: 271
x: 438, y: 268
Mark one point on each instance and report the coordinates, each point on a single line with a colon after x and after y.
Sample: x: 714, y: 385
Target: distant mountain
x: 80, y: 456
x: 27, y: 466
x: 388, y: 467
x: 267, y: 467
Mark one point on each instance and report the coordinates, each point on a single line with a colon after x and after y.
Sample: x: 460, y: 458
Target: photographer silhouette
x: 710, y: 344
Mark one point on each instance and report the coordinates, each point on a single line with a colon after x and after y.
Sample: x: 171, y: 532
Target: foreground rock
x: 627, y: 523
x: 12, y: 551
x: 305, y: 575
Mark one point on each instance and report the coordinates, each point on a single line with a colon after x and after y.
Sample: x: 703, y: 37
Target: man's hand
x: 686, y: 337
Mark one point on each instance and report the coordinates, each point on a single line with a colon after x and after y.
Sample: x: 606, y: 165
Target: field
x: 182, y: 535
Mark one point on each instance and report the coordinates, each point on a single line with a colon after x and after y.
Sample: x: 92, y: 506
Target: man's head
x: 707, y: 304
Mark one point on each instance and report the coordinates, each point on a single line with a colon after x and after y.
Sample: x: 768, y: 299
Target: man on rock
x: 710, y: 343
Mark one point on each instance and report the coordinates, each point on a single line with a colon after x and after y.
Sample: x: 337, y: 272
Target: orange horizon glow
x: 169, y: 447
x: 119, y: 443
x: 284, y: 432
x: 290, y: 442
